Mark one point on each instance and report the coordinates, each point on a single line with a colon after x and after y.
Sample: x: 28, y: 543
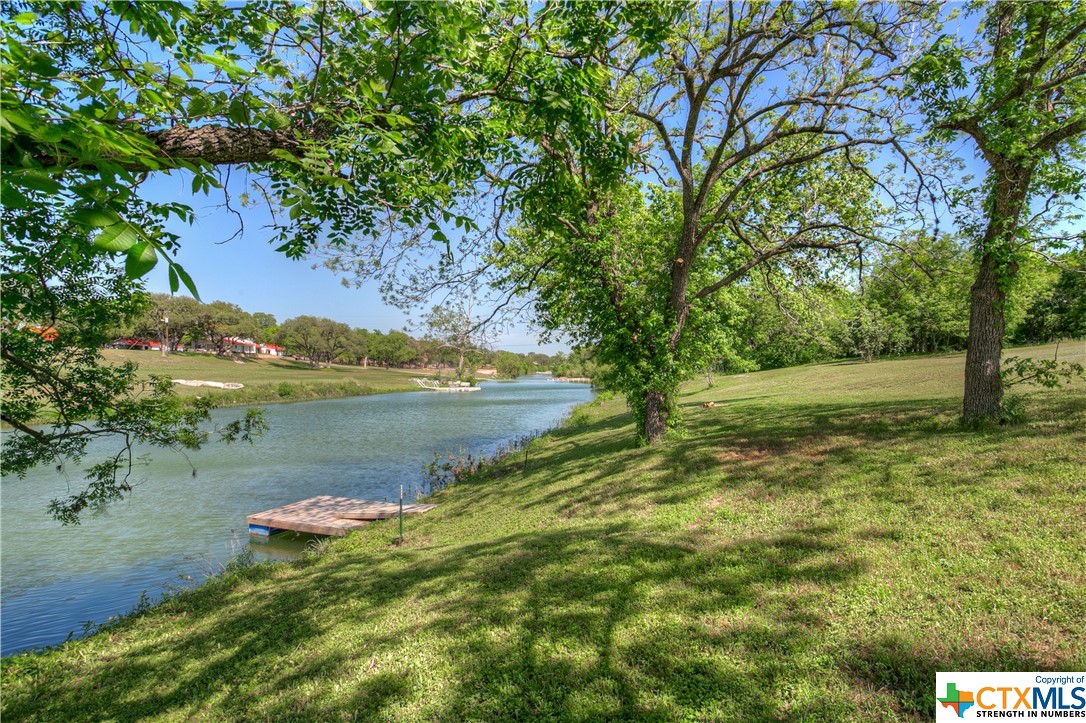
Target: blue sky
x: 247, y: 271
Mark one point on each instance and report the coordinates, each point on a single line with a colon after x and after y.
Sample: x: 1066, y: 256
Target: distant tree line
x: 913, y: 299
x: 175, y: 320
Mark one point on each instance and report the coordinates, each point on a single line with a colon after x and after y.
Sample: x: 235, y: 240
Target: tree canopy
x: 344, y: 114
x: 319, y: 340
x: 454, y: 326
x: 755, y: 125
x: 344, y: 111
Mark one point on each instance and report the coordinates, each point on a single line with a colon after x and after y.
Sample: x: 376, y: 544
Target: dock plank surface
x: 327, y: 515
x: 368, y: 510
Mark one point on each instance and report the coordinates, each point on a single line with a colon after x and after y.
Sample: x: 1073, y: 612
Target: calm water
x: 176, y: 526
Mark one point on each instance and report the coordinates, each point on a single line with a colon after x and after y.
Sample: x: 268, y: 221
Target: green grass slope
x: 266, y: 379
x: 819, y: 544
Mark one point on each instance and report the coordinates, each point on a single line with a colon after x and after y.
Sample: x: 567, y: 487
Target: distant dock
x: 325, y: 515
x: 451, y: 386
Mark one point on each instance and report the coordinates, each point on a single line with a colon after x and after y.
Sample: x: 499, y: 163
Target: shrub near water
x: 295, y: 392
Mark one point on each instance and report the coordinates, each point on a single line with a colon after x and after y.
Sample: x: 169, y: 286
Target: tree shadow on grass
x: 724, y: 444
x: 907, y: 674
x: 561, y: 625
x: 558, y: 624
x: 768, y: 449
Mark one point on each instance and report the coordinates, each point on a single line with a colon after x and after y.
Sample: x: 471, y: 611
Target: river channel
x: 177, y: 528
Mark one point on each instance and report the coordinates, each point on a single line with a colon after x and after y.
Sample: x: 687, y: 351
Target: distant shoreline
x: 271, y: 380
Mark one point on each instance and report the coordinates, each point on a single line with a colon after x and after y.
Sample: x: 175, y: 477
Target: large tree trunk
x: 657, y: 403
x: 656, y: 413
x: 983, y: 386
x: 983, y: 397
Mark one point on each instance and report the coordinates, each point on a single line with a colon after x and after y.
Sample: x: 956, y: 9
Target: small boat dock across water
x: 326, y: 515
x: 451, y: 386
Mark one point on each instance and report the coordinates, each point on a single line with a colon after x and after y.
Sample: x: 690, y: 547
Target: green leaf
x: 141, y: 258
x: 26, y: 18
x: 238, y: 112
x: 42, y: 64
x: 37, y: 181
x: 185, y: 279
x: 151, y: 97
x: 222, y: 63
x: 118, y: 237
x: 198, y: 105
x: 282, y: 155
x: 277, y: 120
x: 96, y: 217
x: 12, y: 198
x: 23, y: 121
x: 174, y: 283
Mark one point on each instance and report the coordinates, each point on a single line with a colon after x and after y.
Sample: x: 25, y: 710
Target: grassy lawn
x: 266, y: 379
x: 820, y: 543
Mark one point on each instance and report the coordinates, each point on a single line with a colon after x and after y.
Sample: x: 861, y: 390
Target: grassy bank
x: 267, y: 380
x: 819, y: 544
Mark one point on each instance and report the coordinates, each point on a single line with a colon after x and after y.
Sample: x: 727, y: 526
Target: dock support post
x: 401, y: 514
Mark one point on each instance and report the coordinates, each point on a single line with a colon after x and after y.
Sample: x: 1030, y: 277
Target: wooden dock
x: 327, y: 515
